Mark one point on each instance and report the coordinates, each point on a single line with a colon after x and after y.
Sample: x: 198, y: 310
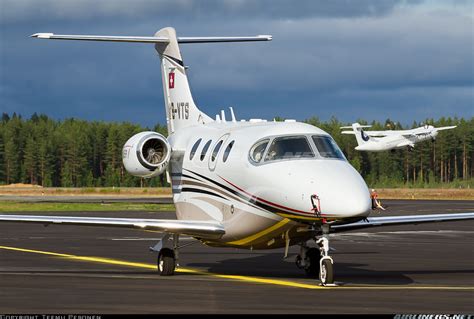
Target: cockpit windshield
x: 289, y: 147
x: 327, y: 148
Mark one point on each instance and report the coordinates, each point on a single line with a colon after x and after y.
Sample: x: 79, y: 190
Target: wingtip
x: 42, y: 35
x: 266, y: 36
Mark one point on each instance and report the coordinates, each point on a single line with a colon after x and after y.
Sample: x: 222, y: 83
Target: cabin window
x: 227, y: 151
x: 327, y: 148
x: 204, y: 149
x: 257, y: 151
x: 194, y: 149
x: 216, y: 150
x: 288, y: 147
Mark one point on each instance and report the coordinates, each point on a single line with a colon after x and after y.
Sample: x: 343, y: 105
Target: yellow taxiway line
x: 232, y: 277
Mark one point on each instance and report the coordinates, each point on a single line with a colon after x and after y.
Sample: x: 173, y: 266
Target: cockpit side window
x: 287, y: 147
x: 327, y: 148
x: 257, y: 151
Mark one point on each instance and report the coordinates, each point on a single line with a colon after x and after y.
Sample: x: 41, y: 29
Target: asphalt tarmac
x: 426, y: 268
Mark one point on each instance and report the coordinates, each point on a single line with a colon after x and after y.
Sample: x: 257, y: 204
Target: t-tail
x: 358, y: 131
x: 181, y: 111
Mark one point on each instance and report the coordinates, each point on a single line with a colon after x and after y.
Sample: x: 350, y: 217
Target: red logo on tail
x: 171, y: 80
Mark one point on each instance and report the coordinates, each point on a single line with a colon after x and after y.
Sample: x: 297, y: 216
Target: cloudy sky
x: 372, y: 59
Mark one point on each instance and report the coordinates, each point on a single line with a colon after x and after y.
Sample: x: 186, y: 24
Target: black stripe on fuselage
x: 190, y: 177
x: 251, y: 200
x: 229, y: 197
x: 200, y: 191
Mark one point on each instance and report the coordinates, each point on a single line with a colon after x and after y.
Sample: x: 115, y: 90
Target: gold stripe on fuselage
x: 258, y: 235
x: 295, y: 217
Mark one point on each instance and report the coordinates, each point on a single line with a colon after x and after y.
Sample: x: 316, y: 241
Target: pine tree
x: 2, y: 156
x: 30, y: 160
x: 13, y: 149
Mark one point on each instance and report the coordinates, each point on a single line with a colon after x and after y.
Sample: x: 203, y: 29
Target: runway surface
x: 425, y: 268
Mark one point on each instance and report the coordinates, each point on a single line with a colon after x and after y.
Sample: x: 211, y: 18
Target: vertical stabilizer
x: 181, y: 111
x: 360, y: 135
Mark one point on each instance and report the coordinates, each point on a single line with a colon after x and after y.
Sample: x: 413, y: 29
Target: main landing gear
x: 167, y: 249
x: 316, y: 261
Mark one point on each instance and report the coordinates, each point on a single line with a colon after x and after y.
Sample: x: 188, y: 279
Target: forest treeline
x: 79, y: 153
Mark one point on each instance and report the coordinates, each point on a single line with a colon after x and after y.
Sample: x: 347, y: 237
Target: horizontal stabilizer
x: 100, y: 38
x: 348, y: 132
x: 149, y: 39
x: 224, y: 39
x: 202, y: 229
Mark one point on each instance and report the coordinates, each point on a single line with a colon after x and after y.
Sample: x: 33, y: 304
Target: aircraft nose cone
x: 289, y: 185
x: 341, y: 189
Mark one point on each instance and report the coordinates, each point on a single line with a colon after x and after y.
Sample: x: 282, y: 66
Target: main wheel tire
x: 166, y: 262
x: 326, y: 273
x: 313, y: 255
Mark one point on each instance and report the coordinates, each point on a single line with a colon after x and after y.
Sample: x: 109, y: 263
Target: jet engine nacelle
x: 146, y: 154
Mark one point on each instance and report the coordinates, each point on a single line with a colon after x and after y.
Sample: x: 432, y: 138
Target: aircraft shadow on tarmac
x: 272, y: 266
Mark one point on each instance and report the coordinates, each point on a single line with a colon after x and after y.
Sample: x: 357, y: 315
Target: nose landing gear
x: 316, y: 261
x: 326, y: 272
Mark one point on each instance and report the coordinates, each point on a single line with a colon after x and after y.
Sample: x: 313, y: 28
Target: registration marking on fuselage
x: 249, y: 279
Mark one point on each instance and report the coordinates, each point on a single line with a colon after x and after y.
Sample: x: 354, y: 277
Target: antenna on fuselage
x: 232, y: 115
x: 223, y: 116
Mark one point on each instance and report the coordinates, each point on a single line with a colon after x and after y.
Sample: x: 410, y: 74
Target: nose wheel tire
x: 166, y: 262
x: 326, y: 273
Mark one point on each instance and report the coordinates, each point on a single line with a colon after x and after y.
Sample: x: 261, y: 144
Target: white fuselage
x: 261, y: 203
x: 394, y: 141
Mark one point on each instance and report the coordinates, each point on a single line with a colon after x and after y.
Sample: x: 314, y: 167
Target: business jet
x: 378, y: 141
x: 247, y: 184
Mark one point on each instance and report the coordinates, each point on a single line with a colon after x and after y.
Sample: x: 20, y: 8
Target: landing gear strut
x: 316, y: 261
x: 326, y: 272
x: 167, y: 249
x: 308, y: 259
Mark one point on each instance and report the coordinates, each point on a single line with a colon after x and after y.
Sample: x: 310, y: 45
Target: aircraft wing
x: 406, y: 143
x: 382, y: 133
x: 375, y: 133
x: 401, y: 220
x: 202, y: 229
x: 445, y: 128
x: 369, y: 133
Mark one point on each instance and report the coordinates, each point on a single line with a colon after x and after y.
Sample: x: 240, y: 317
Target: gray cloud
x: 343, y: 58
x: 23, y: 10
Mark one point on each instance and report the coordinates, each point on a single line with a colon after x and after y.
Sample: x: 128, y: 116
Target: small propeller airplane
x: 246, y: 184
x: 378, y: 141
